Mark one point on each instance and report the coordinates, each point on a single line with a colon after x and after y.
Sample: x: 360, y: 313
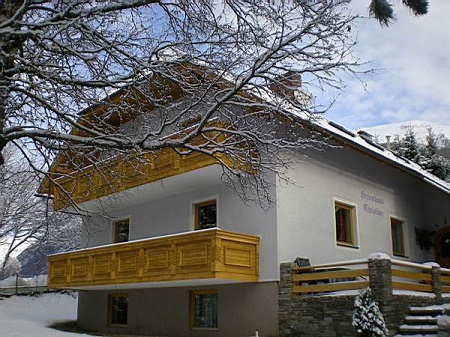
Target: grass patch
x: 71, y: 326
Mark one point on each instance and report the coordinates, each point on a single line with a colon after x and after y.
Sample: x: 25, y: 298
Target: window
x: 345, y: 223
x: 118, y: 309
x: 398, y: 242
x: 205, y: 215
x: 203, y: 309
x: 121, y: 230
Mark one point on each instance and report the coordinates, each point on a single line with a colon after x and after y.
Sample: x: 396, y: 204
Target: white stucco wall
x: 305, y: 214
x: 173, y: 214
x: 302, y: 224
x: 437, y: 209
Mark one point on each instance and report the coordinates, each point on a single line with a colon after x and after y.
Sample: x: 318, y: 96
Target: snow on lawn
x: 22, y: 316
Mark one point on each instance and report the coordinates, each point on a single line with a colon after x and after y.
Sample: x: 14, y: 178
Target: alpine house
x: 176, y: 252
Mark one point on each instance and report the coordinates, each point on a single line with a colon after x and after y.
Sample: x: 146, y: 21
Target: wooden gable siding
x: 120, y: 174
x: 207, y: 254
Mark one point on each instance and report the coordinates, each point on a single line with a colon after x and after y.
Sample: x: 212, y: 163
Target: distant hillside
x: 420, y: 129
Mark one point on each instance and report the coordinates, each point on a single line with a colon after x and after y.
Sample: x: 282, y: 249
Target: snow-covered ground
x: 22, y: 316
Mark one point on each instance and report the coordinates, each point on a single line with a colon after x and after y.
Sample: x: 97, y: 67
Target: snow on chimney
x: 286, y: 84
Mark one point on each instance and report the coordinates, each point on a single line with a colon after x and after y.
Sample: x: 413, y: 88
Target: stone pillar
x: 380, y: 279
x: 285, y: 285
x: 436, y: 282
x: 285, y: 299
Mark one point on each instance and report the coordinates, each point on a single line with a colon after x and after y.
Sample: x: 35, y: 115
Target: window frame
x: 111, y: 309
x: 192, y: 320
x: 195, y: 211
x: 115, y: 226
x: 352, y: 208
x: 402, y: 222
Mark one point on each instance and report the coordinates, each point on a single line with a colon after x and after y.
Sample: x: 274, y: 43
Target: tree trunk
x: 9, y: 45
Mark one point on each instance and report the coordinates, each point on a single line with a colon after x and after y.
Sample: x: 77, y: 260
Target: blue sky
x: 413, y: 77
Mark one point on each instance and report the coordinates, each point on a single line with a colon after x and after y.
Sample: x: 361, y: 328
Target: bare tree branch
x: 84, y: 81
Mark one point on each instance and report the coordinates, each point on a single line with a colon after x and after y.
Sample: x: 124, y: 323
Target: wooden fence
x: 23, y: 284
x: 355, y: 274
x: 330, y: 277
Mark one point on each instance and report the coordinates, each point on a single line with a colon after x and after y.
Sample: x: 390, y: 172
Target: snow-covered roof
x: 361, y: 142
x: 321, y: 124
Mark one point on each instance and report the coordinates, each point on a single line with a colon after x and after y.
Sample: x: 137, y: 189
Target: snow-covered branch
x: 88, y: 80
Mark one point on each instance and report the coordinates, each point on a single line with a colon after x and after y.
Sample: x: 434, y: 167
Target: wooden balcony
x: 200, y: 255
x: 120, y: 174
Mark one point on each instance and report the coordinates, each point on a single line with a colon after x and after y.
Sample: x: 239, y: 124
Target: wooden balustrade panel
x: 128, y: 264
x: 238, y: 256
x: 192, y: 256
x: 157, y: 260
x: 197, y: 255
x: 102, y: 267
x: 58, y: 272
x: 79, y: 269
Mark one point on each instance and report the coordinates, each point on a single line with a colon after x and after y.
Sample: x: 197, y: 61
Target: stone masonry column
x: 381, y: 279
x: 285, y: 299
x: 436, y: 280
x: 285, y: 285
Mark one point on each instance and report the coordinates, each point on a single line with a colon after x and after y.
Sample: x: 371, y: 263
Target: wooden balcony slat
x: 173, y: 258
x: 339, y: 274
x: 411, y: 275
x: 412, y: 286
x: 445, y: 279
x: 327, y: 287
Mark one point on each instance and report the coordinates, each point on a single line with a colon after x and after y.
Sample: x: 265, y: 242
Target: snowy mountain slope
x: 419, y: 127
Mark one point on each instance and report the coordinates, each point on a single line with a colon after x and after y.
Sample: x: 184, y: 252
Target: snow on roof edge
x: 333, y: 128
x: 382, y: 153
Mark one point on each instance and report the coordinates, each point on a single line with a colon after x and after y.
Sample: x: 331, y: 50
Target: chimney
x: 388, y: 142
x: 286, y: 84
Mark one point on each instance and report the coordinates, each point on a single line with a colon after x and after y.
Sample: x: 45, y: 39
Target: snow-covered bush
x: 367, y: 317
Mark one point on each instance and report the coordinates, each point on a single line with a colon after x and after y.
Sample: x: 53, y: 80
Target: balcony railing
x: 199, y: 255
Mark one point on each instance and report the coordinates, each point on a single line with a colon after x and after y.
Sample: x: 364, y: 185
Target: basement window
x: 203, y: 309
x: 118, y: 309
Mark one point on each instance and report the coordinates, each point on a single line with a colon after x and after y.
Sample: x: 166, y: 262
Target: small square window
x: 121, y: 230
x: 118, y: 309
x: 398, y: 240
x: 345, y: 223
x: 206, y: 215
x: 203, y: 309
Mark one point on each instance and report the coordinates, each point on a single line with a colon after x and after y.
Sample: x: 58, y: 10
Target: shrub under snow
x: 367, y: 317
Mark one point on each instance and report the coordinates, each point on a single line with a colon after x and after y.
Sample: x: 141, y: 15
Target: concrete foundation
x: 242, y: 310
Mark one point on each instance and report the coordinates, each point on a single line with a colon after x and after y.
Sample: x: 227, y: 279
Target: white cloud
x: 413, y: 80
